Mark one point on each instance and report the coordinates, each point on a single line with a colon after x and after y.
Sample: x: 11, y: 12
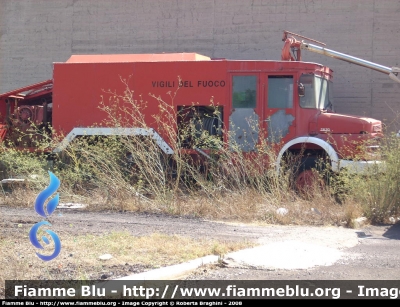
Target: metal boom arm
x: 392, y: 72
x: 292, y: 47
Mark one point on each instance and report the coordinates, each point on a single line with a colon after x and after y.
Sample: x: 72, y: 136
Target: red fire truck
x: 290, y: 101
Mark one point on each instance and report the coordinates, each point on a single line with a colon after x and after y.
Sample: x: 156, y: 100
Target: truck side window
x: 244, y: 91
x: 280, y: 92
x: 318, y: 92
x: 308, y: 100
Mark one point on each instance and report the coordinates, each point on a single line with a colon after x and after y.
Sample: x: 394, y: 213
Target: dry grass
x: 80, y: 257
x: 318, y: 208
x: 156, y: 250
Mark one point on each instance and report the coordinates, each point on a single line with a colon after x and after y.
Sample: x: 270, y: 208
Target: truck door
x: 245, y: 114
x: 279, y: 109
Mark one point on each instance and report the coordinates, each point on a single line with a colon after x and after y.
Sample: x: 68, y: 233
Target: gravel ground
x: 368, y: 253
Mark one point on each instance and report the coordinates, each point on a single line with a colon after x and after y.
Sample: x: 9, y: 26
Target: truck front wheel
x: 310, y: 173
x: 307, y: 179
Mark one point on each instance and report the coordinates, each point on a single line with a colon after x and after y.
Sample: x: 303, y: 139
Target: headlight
x: 377, y: 128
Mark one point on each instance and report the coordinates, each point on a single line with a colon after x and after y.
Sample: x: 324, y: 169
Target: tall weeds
x: 132, y: 172
x: 379, y: 192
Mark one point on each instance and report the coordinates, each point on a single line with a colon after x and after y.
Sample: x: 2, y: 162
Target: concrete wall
x: 35, y: 33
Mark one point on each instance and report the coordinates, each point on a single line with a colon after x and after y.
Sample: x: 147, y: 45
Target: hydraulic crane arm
x: 291, y: 51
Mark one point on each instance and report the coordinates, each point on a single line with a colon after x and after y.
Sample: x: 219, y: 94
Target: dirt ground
x: 18, y: 252
x: 369, y: 253
x: 140, y: 224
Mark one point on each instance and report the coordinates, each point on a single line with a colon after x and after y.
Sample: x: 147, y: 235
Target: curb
x: 166, y: 273
x: 174, y: 271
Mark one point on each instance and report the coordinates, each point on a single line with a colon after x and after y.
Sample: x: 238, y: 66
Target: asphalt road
x: 287, y: 252
x: 376, y: 256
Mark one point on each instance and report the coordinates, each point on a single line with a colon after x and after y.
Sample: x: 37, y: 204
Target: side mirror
x: 301, y: 89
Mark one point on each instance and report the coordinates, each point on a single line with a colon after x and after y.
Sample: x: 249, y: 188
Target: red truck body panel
x: 80, y: 84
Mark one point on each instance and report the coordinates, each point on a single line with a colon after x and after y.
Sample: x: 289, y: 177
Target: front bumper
x: 362, y: 167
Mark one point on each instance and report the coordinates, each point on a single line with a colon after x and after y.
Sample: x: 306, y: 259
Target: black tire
x: 306, y: 169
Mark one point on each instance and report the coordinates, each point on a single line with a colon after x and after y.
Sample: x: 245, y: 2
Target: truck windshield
x: 318, y: 93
